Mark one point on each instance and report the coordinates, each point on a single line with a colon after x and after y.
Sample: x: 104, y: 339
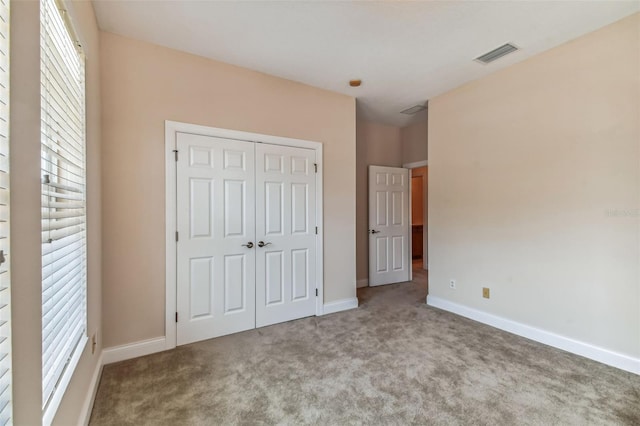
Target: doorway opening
x: 419, y: 217
x: 419, y: 172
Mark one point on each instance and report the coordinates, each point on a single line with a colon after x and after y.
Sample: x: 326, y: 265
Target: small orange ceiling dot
x: 355, y: 83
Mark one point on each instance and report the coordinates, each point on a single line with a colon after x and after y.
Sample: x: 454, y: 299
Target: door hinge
x: 175, y: 151
x: 315, y: 166
x: 176, y: 317
x: 316, y: 230
x: 316, y: 292
x: 176, y: 236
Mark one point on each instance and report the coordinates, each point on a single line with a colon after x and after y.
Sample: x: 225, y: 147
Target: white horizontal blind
x: 5, y: 291
x: 63, y: 196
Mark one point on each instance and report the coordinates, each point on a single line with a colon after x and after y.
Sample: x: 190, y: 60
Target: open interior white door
x: 216, y: 230
x: 388, y: 225
x: 285, y: 234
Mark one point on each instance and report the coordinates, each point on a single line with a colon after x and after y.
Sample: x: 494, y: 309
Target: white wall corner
x: 87, y: 406
x: 340, y: 305
x: 362, y: 283
x: 587, y: 350
x: 133, y: 350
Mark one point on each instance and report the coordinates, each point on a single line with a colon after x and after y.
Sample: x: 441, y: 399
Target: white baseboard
x: 362, y: 283
x: 133, y: 350
x: 605, y: 356
x: 111, y: 355
x: 340, y: 305
x: 87, y: 406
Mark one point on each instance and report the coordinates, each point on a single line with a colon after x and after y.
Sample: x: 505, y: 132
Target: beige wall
x: 143, y: 85
x: 377, y: 145
x: 526, y: 167
x: 24, y: 138
x: 25, y: 214
x: 414, y: 139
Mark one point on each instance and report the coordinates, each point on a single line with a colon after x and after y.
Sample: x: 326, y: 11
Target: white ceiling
x: 404, y: 52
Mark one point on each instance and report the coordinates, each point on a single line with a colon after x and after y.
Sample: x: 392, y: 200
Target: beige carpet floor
x: 394, y: 360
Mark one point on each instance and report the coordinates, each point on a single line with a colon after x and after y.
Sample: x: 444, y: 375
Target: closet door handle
x: 262, y: 244
x: 248, y: 245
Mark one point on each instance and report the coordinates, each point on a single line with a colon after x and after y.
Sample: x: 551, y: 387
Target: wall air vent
x: 496, y: 54
x: 414, y: 109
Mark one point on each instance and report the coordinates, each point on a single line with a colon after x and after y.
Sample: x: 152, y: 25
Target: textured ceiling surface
x: 404, y: 52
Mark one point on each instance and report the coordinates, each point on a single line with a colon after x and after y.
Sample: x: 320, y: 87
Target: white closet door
x: 388, y: 225
x: 216, y: 222
x: 286, y: 221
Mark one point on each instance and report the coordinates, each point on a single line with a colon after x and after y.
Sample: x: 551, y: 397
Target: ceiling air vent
x: 496, y: 54
x: 413, y: 109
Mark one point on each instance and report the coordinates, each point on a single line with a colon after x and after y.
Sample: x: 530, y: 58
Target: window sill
x: 50, y: 412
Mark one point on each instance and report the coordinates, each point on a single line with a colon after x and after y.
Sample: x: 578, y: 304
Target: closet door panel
x: 285, y: 224
x: 216, y: 221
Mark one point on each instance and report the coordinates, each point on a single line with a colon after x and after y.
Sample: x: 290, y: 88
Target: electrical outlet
x: 93, y: 344
x: 485, y: 292
x: 452, y: 284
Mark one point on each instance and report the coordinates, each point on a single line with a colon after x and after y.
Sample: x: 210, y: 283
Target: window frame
x: 6, y: 370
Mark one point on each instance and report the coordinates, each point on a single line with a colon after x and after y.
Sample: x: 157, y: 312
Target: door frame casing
x: 171, y: 247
